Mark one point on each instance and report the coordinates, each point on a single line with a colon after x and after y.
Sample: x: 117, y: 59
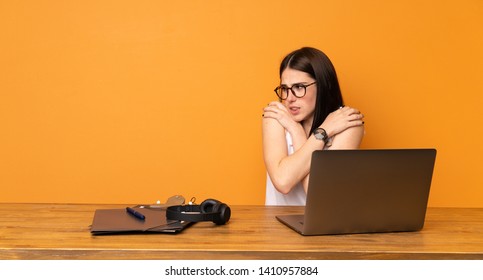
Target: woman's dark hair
x: 315, y: 63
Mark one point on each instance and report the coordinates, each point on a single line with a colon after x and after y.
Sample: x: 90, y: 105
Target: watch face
x: 320, y: 134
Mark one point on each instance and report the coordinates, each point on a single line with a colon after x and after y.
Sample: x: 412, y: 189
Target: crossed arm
x: 344, y: 125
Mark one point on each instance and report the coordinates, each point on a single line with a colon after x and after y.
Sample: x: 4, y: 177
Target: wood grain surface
x: 61, y: 231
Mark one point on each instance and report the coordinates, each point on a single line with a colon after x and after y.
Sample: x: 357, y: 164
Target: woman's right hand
x: 342, y: 119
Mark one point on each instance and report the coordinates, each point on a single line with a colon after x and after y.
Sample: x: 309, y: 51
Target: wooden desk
x: 61, y: 231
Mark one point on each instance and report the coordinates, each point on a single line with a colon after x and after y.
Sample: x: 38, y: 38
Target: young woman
x: 310, y: 115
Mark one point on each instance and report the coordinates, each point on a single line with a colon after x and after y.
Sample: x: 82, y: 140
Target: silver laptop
x: 364, y: 191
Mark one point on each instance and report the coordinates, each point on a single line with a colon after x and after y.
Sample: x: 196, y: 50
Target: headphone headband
x: 188, y: 213
x: 209, y: 210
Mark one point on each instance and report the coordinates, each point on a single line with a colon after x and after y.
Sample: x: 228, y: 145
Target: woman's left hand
x: 276, y: 110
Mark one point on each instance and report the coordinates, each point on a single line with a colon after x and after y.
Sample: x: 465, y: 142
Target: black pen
x: 135, y: 213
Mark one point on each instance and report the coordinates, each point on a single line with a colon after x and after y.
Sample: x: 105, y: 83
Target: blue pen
x: 135, y: 213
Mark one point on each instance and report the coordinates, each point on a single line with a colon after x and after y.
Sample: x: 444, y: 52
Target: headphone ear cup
x: 223, y: 214
x: 208, y: 205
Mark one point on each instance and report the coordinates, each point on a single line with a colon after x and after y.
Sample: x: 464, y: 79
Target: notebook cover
x: 111, y: 221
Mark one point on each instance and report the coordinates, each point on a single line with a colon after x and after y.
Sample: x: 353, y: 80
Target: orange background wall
x: 131, y: 102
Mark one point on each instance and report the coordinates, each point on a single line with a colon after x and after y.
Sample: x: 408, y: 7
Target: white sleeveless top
x: 296, y: 196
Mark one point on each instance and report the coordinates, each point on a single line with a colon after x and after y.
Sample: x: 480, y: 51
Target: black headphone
x: 209, y: 210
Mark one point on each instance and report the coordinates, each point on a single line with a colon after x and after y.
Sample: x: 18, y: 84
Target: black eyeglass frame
x: 277, y: 89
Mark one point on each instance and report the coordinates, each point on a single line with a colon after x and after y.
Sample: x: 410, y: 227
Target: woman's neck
x: 307, y: 125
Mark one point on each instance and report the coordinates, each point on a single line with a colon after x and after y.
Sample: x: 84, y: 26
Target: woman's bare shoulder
x: 350, y: 138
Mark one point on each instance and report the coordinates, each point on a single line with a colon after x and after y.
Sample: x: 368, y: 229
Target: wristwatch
x: 321, y: 134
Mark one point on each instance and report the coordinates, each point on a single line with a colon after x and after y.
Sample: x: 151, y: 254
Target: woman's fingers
x: 349, y: 110
x: 355, y: 117
x: 271, y: 111
x: 352, y: 114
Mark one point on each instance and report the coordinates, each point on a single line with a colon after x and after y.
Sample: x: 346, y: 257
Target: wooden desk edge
x: 123, y: 254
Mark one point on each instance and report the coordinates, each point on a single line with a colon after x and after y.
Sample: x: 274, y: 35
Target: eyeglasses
x: 298, y: 90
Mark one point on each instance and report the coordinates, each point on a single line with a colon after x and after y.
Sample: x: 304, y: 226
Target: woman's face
x: 301, y: 108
